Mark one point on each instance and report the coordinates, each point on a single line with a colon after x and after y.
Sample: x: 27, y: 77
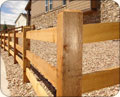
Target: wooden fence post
x: 9, y: 47
x: 4, y: 40
x: 15, y: 50
x: 1, y: 39
x: 26, y: 46
x: 69, y: 53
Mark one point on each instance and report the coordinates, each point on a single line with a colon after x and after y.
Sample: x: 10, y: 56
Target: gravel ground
x: 14, y: 77
x: 96, y: 57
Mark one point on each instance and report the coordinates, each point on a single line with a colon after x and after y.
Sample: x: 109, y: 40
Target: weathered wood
x: 35, y: 83
x: 20, y: 61
x: 9, y: 47
x: 46, y: 69
x: 26, y: 62
x: 19, y: 48
x: 100, y: 79
x: 100, y: 32
x: 69, y: 53
x: 48, y: 35
x: 15, y: 50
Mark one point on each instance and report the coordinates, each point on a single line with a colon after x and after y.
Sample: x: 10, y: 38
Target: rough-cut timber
x: 43, y: 67
x: 15, y: 50
x: 100, y: 32
x: 69, y: 53
x: 26, y: 46
x: 36, y: 85
x: 9, y: 47
x: 48, y: 35
x: 100, y: 79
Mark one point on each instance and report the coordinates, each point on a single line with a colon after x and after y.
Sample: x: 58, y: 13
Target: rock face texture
x: 108, y: 11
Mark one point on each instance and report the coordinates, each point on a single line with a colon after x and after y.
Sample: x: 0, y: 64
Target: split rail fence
x: 69, y: 35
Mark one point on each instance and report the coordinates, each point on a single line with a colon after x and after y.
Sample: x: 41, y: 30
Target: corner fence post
x: 9, y: 47
x: 26, y: 46
x: 15, y: 50
x: 69, y: 53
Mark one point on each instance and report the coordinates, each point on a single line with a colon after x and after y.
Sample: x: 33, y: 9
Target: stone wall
x: 108, y: 12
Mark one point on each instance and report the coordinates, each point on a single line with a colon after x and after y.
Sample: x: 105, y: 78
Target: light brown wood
x: 1, y: 39
x: 12, y: 44
x: 4, y: 40
x: 100, y: 32
x: 6, y: 34
x: 26, y: 62
x: 11, y: 34
x: 19, y: 48
x: 35, y: 83
x: 2, y: 45
x: 11, y: 52
x: 69, y: 53
x: 20, y: 61
x: 15, y: 50
x: 6, y: 48
x: 100, y: 79
x: 48, y: 35
x: 9, y: 47
x: 19, y: 35
x: 47, y: 70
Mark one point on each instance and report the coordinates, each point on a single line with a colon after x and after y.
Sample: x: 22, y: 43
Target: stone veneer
x: 108, y: 12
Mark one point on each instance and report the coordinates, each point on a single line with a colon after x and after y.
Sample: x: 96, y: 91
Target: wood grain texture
x: 100, y: 32
x: 35, y: 83
x: 69, y: 53
x: 47, y: 70
x: 100, y: 79
x: 48, y: 35
x: 26, y: 46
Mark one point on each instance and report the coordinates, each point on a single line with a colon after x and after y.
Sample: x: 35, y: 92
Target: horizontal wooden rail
x: 100, y: 79
x: 19, y: 48
x: 12, y: 44
x: 35, y: 83
x: 6, y: 41
x: 6, y: 34
x: 20, y: 61
x: 11, y: 52
x: 100, y: 32
x: 6, y: 48
x: 43, y: 67
x: 19, y: 35
x: 2, y: 45
x: 48, y: 35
